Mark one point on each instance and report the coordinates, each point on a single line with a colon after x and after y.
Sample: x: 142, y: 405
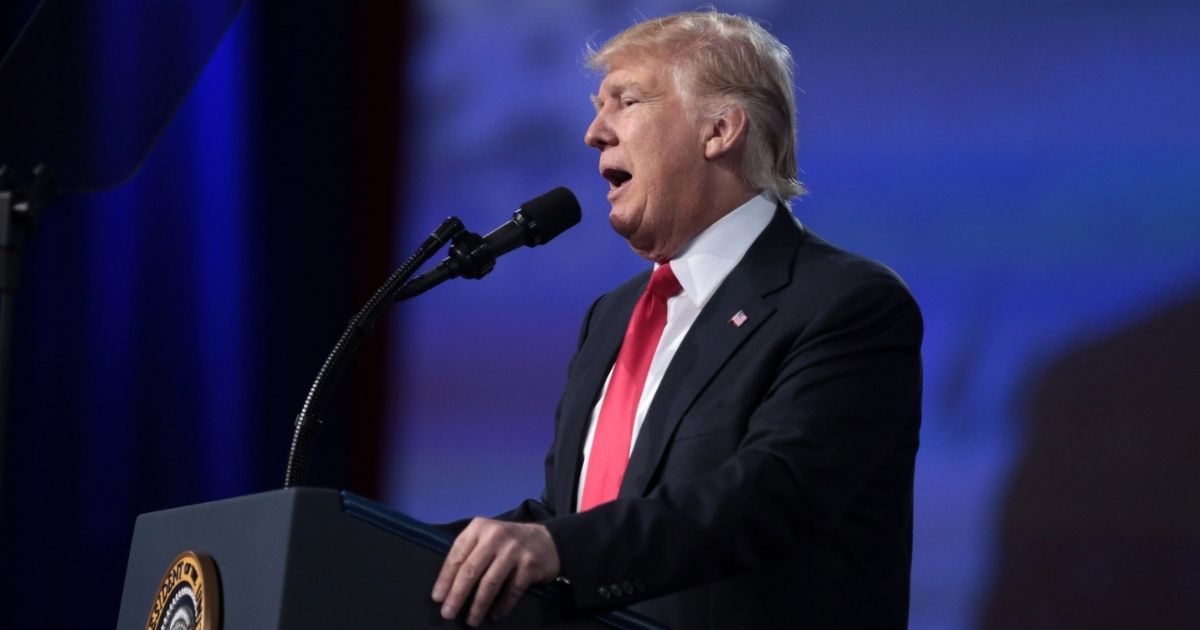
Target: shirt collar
x: 705, y: 261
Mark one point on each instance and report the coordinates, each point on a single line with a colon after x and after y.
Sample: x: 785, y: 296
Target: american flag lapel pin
x: 738, y: 319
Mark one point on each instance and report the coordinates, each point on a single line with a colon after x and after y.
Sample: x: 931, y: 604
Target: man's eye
x: 626, y: 102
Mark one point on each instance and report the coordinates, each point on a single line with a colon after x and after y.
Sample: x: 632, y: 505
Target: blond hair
x: 717, y: 58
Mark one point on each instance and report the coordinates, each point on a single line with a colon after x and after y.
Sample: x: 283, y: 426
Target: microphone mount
x: 470, y: 256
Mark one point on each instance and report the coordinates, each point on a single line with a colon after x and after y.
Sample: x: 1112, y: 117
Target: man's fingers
x: 490, y: 585
x: 468, y: 574
x: 514, y: 589
x: 498, y: 561
x: 459, y: 552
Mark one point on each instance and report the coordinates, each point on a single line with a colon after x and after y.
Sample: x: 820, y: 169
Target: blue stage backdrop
x: 1030, y: 168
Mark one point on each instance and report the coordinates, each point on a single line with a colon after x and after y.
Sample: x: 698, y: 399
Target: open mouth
x: 616, y: 177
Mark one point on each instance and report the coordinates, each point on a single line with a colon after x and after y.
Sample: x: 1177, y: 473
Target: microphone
x: 536, y: 222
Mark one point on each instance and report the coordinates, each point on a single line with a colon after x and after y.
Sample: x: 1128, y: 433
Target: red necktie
x: 614, y: 427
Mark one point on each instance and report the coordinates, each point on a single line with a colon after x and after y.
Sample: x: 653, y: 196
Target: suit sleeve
x: 842, y: 409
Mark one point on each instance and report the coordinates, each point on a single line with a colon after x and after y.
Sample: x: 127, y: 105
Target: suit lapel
x: 593, y: 362
x: 712, y: 339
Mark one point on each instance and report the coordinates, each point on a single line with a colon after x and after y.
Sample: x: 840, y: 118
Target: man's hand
x: 495, y: 555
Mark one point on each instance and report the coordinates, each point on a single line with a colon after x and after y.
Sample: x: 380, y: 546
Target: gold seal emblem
x: 189, y: 597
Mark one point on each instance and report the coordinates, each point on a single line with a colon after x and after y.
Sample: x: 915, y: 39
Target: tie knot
x: 663, y: 282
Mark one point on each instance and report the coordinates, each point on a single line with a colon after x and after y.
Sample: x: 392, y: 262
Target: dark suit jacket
x: 771, y: 483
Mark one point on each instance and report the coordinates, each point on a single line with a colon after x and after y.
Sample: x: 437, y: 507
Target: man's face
x: 652, y: 154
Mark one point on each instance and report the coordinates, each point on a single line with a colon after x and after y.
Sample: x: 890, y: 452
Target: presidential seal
x: 189, y: 597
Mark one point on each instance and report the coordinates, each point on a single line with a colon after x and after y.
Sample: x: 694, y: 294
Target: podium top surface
x: 310, y: 557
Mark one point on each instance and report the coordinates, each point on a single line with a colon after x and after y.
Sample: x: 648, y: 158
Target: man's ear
x: 726, y: 132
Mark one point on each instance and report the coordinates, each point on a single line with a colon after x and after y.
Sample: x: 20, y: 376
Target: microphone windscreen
x: 550, y: 214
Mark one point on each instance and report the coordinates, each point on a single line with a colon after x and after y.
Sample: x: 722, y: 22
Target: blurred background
x: 1032, y: 170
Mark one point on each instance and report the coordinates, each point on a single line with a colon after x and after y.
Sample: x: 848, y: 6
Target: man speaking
x: 736, y: 441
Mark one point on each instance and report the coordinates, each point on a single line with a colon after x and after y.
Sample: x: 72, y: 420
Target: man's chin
x: 628, y: 230
x: 647, y: 254
x: 622, y: 225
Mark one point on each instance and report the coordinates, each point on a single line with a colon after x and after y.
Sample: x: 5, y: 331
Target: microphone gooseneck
x: 536, y: 222
x: 308, y: 421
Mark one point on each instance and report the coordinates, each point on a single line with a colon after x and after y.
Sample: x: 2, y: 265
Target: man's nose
x: 599, y: 135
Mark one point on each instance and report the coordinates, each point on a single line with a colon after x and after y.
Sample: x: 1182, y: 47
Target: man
x: 736, y: 442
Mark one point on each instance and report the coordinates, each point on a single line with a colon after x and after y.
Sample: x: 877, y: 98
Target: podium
x: 307, y: 558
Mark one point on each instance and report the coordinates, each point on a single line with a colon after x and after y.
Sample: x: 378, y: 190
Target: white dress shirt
x: 701, y: 267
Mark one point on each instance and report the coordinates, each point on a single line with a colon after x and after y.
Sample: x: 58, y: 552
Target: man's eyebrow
x: 618, y: 87
x: 596, y: 101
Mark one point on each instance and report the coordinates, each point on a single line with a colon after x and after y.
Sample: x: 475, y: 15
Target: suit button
x: 627, y: 586
x: 639, y: 585
x: 603, y: 592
